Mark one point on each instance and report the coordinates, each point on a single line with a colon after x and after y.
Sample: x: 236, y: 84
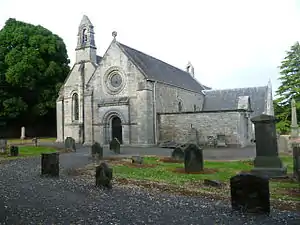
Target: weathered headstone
x: 97, y: 151
x: 178, y: 153
x: 14, y: 150
x: 137, y: 159
x: 70, y: 144
x: 296, y: 161
x: 50, y: 164
x: 294, y: 123
x: 115, y: 146
x: 267, y: 161
x: 250, y: 193
x: 103, y: 175
x: 221, y: 140
x: 35, y: 141
x: 193, y: 158
x: 3, y: 145
x: 193, y: 136
x: 23, y: 133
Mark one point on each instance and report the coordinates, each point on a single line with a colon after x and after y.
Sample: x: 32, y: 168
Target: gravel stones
x: 30, y: 199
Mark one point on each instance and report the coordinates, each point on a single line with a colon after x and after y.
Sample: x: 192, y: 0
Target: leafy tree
x: 289, y: 88
x: 33, y: 66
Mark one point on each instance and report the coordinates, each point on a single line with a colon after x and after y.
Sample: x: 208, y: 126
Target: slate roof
x: 158, y: 70
x: 227, y: 99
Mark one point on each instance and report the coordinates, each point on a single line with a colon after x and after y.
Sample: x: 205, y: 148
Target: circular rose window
x: 116, y: 80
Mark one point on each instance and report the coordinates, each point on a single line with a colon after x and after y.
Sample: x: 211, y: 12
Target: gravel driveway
x: 26, y: 198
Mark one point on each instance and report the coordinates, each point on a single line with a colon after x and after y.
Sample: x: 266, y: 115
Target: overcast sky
x: 231, y: 43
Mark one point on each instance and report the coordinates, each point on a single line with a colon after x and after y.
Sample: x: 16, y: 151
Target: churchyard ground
x: 166, y: 175
x: 29, y: 140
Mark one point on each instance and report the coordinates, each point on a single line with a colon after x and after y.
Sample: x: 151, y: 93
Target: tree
x: 33, y: 66
x: 289, y: 88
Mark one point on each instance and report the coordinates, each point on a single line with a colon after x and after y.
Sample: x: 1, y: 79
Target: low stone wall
x: 177, y: 126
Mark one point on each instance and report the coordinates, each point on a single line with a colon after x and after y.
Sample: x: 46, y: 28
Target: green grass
x: 162, y: 172
x: 29, y: 151
x: 29, y: 140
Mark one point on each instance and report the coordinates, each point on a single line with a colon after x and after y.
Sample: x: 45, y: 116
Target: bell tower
x: 86, y: 47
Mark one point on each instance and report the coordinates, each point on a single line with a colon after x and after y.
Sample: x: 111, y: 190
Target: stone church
x: 142, y: 100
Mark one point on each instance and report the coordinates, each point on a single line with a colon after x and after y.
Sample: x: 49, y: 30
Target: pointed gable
x: 155, y: 69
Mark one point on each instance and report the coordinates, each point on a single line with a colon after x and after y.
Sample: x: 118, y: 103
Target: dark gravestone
x: 137, y: 159
x: 193, y: 158
x: 267, y: 161
x: 35, y: 141
x: 97, y: 151
x: 296, y: 162
x: 250, y: 193
x: 70, y: 144
x: 115, y: 146
x: 178, y: 153
x: 50, y: 164
x: 103, y: 176
x: 14, y: 150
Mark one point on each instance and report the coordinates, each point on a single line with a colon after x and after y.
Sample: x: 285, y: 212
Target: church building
x: 142, y: 100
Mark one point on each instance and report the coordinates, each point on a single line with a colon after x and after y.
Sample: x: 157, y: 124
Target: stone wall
x: 168, y: 97
x: 176, y: 126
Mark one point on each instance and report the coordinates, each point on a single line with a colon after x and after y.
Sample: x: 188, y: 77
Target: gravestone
x: 193, y: 136
x: 14, y: 150
x: 137, y: 159
x: 178, y: 153
x: 294, y: 123
x: 193, y: 158
x: 103, y: 176
x: 35, y: 141
x: 3, y: 145
x: 115, y: 146
x: 296, y: 162
x: 70, y: 144
x: 221, y: 140
x: 267, y: 161
x: 50, y: 164
x: 250, y: 193
x: 23, y: 133
x: 97, y: 151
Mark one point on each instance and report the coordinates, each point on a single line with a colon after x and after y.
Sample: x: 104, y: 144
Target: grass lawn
x: 154, y: 173
x: 28, y: 151
x: 29, y: 140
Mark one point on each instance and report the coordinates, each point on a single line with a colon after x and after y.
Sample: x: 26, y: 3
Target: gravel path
x: 26, y: 198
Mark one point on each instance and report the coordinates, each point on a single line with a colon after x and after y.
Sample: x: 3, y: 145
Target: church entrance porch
x: 116, y: 128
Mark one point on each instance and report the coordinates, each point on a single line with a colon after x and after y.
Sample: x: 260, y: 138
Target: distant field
x: 29, y: 140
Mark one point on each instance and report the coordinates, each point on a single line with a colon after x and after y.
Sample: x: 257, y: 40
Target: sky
x: 231, y: 44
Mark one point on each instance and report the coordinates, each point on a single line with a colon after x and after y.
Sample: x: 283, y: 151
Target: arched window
x: 75, y: 106
x: 84, y: 36
x: 179, y: 106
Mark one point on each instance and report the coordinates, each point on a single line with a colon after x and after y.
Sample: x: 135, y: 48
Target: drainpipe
x: 83, y: 85
x: 154, y: 112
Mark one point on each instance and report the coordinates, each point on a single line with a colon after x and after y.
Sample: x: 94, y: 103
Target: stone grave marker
x: 97, y: 151
x: 23, y: 133
x: 14, y: 150
x: 178, y: 153
x: 115, y: 146
x: 267, y: 161
x: 3, y: 146
x: 250, y: 193
x: 103, y: 176
x: 35, y: 141
x: 193, y: 158
x: 70, y: 144
x: 50, y: 164
x: 137, y: 159
x: 296, y: 161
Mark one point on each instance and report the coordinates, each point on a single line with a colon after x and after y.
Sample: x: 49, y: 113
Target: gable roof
x: 158, y: 70
x: 227, y: 99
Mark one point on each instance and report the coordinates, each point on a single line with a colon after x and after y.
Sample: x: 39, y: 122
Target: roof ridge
x: 232, y: 89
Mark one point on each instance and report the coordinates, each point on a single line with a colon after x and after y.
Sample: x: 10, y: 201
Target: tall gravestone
x: 50, y: 164
x: 70, y: 144
x: 23, y: 133
x: 296, y: 161
x: 267, y: 161
x: 294, y: 123
x: 250, y: 193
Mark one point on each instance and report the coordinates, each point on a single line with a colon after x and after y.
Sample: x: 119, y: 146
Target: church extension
x: 142, y: 101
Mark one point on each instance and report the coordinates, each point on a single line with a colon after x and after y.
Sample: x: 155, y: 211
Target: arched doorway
x: 116, y: 128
